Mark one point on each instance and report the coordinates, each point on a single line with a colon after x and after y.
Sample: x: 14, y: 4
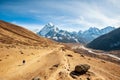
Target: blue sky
x: 71, y: 15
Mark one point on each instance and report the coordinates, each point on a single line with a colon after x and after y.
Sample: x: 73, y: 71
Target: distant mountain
x: 91, y: 34
x: 49, y: 30
x: 109, y: 41
x: 52, y: 32
x: 94, y: 32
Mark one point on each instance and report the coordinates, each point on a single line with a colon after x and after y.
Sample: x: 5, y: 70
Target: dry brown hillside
x: 13, y: 34
x: 45, y: 59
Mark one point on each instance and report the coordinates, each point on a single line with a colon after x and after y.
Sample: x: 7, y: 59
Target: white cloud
x: 71, y: 15
x: 32, y: 27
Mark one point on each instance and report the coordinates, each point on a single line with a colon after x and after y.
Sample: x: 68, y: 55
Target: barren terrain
x: 45, y: 59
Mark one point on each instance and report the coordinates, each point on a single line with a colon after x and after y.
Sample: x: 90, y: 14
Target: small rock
x: 63, y: 48
x: 21, y: 52
x: 69, y: 55
x: 56, y: 65
x: 82, y: 55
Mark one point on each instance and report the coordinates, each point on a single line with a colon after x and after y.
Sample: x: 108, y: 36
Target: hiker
x: 23, y: 61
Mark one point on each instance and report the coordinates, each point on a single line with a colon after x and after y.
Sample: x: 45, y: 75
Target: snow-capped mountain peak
x: 93, y: 29
x: 47, y: 28
x: 52, y: 32
x: 107, y: 29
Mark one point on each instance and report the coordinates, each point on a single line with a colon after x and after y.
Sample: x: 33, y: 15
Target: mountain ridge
x: 110, y: 41
x: 54, y: 33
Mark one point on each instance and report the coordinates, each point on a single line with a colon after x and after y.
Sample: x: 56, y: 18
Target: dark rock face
x: 82, y: 68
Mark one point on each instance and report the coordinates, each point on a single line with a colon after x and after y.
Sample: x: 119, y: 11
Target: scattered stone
x: 56, y: 65
x: 21, y: 52
x: 63, y: 48
x: 68, y: 70
x: 69, y: 55
x: 82, y: 55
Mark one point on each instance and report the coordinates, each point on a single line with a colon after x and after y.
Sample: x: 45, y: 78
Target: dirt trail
x: 31, y: 64
x: 47, y: 63
x: 18, y: 70
x: 53, y: 64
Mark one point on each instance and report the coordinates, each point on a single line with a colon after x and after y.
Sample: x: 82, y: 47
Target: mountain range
x: 110, y: 41
x: 54, y: 33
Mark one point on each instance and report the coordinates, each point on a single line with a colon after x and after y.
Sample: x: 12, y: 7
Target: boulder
x: 82, y: 68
